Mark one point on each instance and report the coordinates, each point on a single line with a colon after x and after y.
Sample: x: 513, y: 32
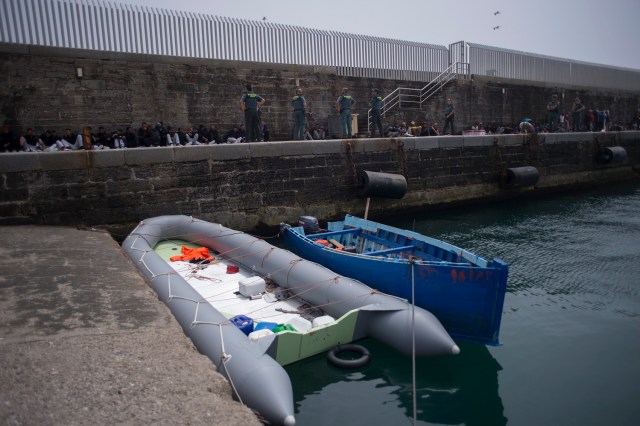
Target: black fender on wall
x: 612, y: 155
x: 383, y: 185
x: 516, y: 177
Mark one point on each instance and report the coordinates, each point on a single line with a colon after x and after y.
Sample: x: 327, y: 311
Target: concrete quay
x: 84, y: 340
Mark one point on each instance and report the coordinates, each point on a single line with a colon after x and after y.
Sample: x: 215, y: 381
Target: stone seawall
x: 39, y: 88
x: 246, y: 185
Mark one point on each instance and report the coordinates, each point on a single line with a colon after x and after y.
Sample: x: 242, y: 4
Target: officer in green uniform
x: 376, y: 106
x: 249, y: 104
x: 554, y: 112
x: 344, y: 103
x: 449, y: 115
x: 576, y: 114
x: 299, y: 104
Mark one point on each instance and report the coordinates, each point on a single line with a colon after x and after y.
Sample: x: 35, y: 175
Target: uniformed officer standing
x: 344, y: 103
x: 553, y: 106
x: 299, y: 104
x: 449, y: 115
x: 249, y: 104
x: 376, y: 105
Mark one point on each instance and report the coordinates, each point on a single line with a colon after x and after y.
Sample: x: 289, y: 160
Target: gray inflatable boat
x: 215, y: 300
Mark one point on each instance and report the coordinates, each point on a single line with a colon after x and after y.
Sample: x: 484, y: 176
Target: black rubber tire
x: 364, y: 358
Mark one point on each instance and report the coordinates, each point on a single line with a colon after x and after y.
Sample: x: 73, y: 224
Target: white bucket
x: 323, y: 320
x: 299, y: 323
x: 255, y: 335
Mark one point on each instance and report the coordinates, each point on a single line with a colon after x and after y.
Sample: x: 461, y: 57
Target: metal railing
x: 497, y: 62
x: 415, y: 98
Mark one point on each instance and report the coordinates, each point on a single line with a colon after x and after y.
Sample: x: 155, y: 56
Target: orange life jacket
x: 199, y: 253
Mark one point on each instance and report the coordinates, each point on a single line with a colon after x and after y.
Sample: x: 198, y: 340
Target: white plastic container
x: 255, y: 335
x: 323, y: 320
x: 251, y: 286
x: 299, y: 323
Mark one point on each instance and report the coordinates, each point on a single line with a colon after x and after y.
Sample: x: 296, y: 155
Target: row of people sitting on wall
x: 431, y: 128
x: 404, y: 130
x: 146, y: 136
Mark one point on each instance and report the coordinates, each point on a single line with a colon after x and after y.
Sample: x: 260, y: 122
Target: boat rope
x: 267, y: 255
x: 189, y: 273
x: 413, y: 341
x: 224, y: 357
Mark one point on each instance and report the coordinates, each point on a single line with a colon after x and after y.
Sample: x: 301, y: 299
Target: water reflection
x: 450, y: 390
x: 569, y: 326
x: 576, y: 250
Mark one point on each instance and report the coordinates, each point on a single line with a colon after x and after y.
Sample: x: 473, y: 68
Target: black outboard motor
x: 309, y: 224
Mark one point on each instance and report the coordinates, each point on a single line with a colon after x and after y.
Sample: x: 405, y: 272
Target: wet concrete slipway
x: 84, y: 340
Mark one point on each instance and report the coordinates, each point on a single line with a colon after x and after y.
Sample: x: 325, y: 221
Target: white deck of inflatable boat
x: 221, y: 289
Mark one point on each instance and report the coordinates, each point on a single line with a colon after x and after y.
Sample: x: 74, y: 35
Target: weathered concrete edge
x: 71, y: 160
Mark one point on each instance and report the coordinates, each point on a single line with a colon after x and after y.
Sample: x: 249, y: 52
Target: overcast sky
x: 599, y: 31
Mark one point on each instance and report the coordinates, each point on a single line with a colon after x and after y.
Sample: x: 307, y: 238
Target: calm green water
x: 570, y: 328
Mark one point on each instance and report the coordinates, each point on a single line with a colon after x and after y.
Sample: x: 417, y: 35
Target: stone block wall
x: 39, y: 88
x: 247, y: 185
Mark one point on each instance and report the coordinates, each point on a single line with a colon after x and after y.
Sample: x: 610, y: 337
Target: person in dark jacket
x: 130, y: 138
x: 29, y: 142
x: 162, y: 133
x: 8, y: 141
x: 234, y: 135
x: 213, y: 135
x: 376, y: 107
x: 145, y: 135
x: 102, y: 140
x: 48, y: 139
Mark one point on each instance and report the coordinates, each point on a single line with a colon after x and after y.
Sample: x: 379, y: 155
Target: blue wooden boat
x: 463, y: 290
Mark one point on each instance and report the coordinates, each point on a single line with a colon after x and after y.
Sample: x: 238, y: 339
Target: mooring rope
x: 223, y: 362
x: 413, y: 342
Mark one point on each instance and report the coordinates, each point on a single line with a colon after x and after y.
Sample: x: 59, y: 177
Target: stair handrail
x: 395, y: 98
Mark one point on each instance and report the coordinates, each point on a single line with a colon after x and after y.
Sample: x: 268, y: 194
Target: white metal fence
x: 104, y: 25
x: 493, y: 61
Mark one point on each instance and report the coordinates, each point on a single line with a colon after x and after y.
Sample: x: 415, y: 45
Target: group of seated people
x: 316, y: 133
x: 145, y: 136
x: 404, y: 130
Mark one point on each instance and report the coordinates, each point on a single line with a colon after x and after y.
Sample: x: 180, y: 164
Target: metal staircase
x: 404, y: 97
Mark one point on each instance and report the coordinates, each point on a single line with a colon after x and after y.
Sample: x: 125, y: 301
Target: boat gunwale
x: 311, y: 239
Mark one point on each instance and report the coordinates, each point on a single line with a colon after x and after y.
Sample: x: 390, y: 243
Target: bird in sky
x: 497, y: 12
x: 495, y: 28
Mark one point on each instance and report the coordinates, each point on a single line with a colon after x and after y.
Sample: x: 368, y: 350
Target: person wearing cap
x: 576, y: 114
x: 526, y: 126
x: 553, y: 106
x: 343, y: 104
x: 449, y: 115
x: 376, y: 108
x: 249, y: 104
x: 299, y: 104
